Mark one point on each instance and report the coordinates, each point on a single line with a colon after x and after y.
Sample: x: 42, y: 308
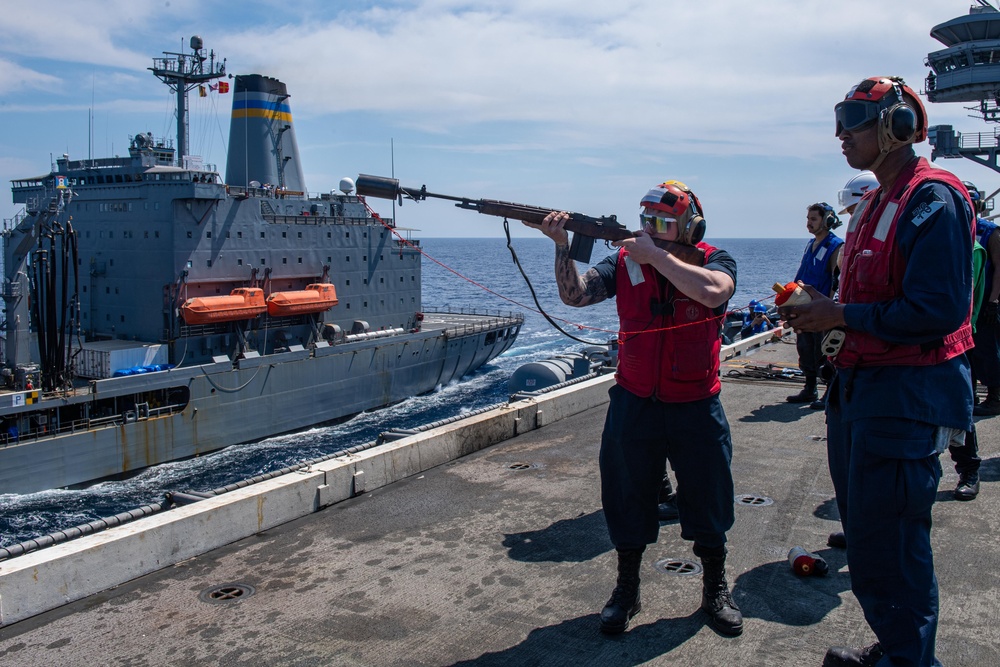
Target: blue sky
x: 578, y: 104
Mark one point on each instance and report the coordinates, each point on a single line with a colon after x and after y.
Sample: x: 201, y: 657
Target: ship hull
x: 258, y: 398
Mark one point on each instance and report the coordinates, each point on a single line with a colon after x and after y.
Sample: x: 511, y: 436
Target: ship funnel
x: 262, y: 144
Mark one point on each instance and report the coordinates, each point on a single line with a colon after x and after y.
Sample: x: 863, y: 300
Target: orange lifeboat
x: 314, y: 298
x: 242, y: 303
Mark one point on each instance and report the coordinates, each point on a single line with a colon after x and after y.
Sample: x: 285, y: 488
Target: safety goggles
x: 855, y: 115
x: 659, y: 224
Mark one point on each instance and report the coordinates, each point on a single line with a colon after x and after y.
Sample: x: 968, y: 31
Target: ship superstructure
x: 155, y: 311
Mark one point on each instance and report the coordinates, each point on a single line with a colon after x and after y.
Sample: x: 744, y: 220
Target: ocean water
x: 458, y: 273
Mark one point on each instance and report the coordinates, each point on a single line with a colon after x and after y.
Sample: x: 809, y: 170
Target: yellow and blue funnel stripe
x: 258, y: 108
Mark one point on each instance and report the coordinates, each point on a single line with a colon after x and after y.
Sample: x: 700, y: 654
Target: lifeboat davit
x: 243, y: 303
x: 315, y: 298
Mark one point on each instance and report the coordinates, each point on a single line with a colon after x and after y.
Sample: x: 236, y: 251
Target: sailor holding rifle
x: 665, y: 404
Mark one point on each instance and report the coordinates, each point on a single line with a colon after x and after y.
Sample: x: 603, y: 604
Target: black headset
x: 830, y: 218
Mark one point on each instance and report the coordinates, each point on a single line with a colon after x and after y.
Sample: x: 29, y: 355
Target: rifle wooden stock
x: 606, y: 227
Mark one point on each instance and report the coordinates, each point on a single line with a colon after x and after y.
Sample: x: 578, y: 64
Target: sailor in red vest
x: 902, y: 392
x: 665, y: 404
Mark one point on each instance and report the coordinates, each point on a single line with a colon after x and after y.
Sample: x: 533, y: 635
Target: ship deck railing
x: 78, y: 425
x: 496, y: 319
x: 979, y: 139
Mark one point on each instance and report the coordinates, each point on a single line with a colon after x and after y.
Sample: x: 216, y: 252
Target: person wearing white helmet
x: 854, y: 190
x: 901, y: 393
x: 665, y: 403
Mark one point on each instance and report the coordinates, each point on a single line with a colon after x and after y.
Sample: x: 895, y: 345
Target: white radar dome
x: 347, y: 185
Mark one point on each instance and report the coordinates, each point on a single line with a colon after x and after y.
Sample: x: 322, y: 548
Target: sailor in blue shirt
x: 820, y: 268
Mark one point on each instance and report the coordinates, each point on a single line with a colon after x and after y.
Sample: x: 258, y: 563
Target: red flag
x: 223, y: 86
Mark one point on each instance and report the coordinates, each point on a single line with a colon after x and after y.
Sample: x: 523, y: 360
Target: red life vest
x: 678, y: 359
x: 874, y: 269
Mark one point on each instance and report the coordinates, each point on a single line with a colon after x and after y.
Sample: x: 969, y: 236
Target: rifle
x: 586, y: 229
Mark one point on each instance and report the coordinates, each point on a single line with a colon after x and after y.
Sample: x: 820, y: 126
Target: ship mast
x: 182, y: 72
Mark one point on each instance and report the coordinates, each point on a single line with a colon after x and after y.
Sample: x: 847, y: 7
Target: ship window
x: 84, y: 289
x: 189, y: 263
x: 365, y: 281
x: 381, y: 281
x: 348, y: 282
x: 329, y: 235
x: 347, y: 235
x: 116, y: 290
x: 100, y: 179
x: 300, y: 260
x: 107, y: 290
x: 364, y: 258
x: 112, y: 262
x: 300, y: 234
x: 284, y: 235
x: 348, y: 306
x: 262, y: 261
x: 329, y: 260
x: 208, y: 235
x: 284, y: 260
x: 262, y: 234
x: 123, y: 318
x: 118, y: 178
x: 145, y: 234
x: 156, y: 206
x: 156, y: 234
x: 239, y: 262
x: 364, y: 235
x: 227, y: 235
x: 88, y: 233
x: 413, y: 279
x: 107, y: 317
x: 239, y: 235
x: 208, y: 263
x: 401, y: 279
x: 189, y: 234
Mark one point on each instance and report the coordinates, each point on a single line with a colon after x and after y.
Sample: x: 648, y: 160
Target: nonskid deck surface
x: 502, y: 558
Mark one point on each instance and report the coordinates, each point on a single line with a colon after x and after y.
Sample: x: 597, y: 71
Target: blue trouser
x: 640, y: 435
x: 885, y: 472
x: 810, y: 348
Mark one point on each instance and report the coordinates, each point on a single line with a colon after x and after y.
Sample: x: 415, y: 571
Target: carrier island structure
x: 156, y: 311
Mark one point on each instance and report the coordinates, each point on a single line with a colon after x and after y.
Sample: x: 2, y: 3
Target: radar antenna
x: 182, y: 72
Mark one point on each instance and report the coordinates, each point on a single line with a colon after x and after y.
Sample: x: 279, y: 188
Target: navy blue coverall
x: 884, y: 427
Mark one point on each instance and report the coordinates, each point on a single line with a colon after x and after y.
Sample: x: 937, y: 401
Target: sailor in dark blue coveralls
x: 902, y: 393
x: 819, y: 268
x: 665, y: 403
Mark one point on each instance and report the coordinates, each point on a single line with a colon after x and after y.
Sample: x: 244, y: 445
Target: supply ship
x: 156, y: 311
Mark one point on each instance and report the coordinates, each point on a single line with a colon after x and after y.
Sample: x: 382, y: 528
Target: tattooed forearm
x: 574, y: 289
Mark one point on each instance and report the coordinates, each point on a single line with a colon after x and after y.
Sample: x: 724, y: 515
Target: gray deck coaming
x: 475, y: 563
x: 274, y: 398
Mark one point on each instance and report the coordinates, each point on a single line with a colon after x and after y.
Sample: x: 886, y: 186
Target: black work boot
x: 808, y: 393
x: 991, y: 406
x: 844, y: 656
x: 624, y: 602
x: 968, y: 486
x: 716, y: 600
